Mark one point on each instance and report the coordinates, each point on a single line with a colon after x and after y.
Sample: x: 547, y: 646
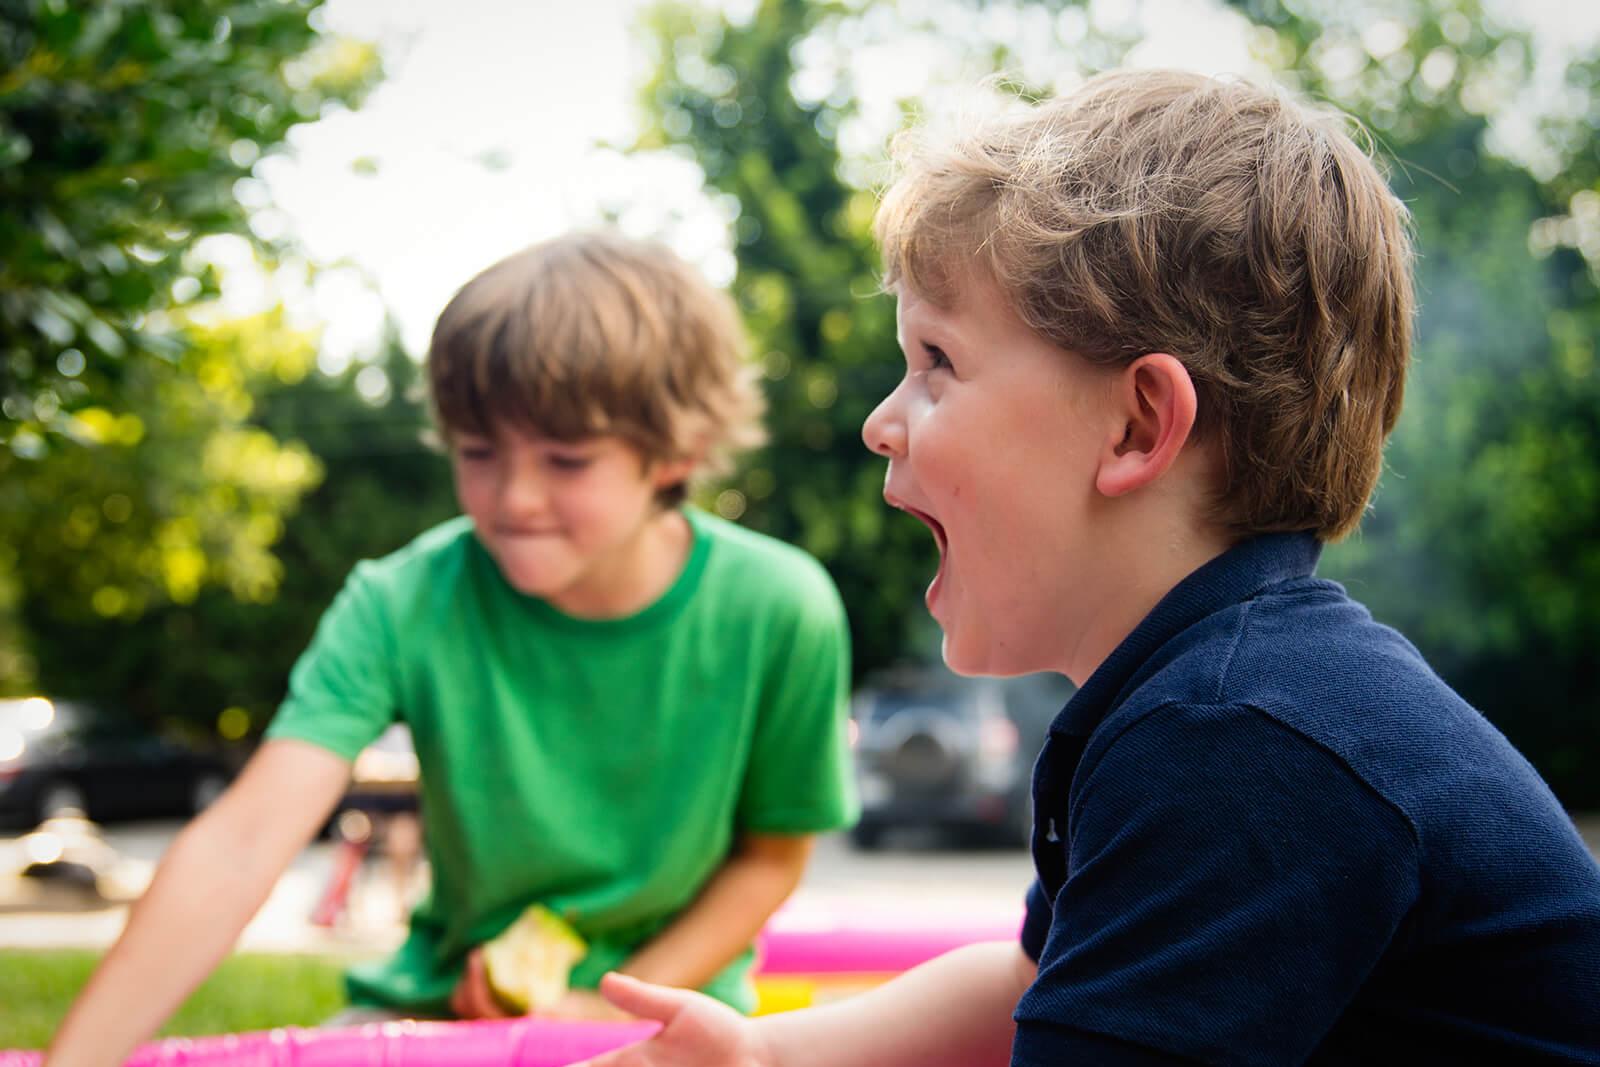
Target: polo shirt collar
x: 1235, y: 576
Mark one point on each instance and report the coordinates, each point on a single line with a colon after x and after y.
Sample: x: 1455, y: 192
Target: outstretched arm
x: 212, y: 879
x: 726, y: 915
x: 954, y: 1011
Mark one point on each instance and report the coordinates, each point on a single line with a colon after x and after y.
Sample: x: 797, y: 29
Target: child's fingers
x: 461, y: 996
x: 473, y: 999
x: 489, y: 1004
x: 647, y: 1001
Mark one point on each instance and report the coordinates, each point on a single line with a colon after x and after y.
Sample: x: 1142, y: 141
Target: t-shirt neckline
x: 660, y: 611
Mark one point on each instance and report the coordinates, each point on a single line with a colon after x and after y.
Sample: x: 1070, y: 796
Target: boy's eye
x: 474, y: 453
x: 937, y: 360
x: 568, y: 462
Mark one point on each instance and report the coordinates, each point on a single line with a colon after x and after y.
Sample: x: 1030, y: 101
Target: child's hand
x: 697, y: 1030
x: 472, y: 998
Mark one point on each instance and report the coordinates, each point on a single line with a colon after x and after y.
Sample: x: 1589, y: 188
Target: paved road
x: 911, y: 877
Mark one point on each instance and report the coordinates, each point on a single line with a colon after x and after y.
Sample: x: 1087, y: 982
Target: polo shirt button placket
x: 1049, y: 805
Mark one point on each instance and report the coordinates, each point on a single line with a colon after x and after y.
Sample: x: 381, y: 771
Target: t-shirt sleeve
x: 799, y: 778
x: 1232, y: 885
x: 342, y: 690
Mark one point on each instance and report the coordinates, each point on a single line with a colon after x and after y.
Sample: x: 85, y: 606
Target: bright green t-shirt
x: 602, y: 768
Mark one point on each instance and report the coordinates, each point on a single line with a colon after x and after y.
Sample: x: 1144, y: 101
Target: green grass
x: 247, y: 992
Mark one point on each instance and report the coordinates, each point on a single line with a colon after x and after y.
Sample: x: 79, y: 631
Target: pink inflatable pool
x: 499, y: 1043
x: 803, y: 940
x: 801, y: 951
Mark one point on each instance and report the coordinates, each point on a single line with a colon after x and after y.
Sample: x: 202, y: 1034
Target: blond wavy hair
x: 1237, y: 229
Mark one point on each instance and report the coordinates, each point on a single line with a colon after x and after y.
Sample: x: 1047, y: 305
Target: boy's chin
x: 529, y: 583
x: 963, y: 660
x: 975, y: 662
x: 538, y: 577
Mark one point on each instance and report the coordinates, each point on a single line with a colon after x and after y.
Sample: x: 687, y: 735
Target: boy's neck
x: 1150, y: 550
x: 639, y: 574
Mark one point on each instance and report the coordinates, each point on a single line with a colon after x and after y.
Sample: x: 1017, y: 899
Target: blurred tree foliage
x: 180, y: 495
x: 1484, y: 544
x: 173, y: 492
x: 131, y: 476
x: 124, y: 129
x: 218, y: 664
x: 807, y: 284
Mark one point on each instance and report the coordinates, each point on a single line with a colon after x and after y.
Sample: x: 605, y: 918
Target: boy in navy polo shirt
x: 1156, y: 334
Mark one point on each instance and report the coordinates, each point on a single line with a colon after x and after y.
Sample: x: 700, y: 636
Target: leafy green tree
x: 807, y: 284
x: 216, y: 661
x: 130, y: 476
x: 124, y: 129
x: 178, y: 490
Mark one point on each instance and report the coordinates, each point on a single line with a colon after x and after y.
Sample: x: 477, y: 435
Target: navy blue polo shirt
x: 1267, y: 833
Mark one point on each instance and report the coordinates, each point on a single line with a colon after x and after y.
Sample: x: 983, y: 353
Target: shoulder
x: 1318, y: 662
x: 1303, y: 668
x: 764, y: 571
x: 1297, y: 677
x: 1307, y: 655
x: 1229, y: 748
x: 439, y: 549
x: 1231, y: 803
x: 1230, y: 784
x: 417, y: 577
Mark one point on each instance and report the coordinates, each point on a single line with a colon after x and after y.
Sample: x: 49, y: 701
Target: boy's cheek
x: 472, y: 494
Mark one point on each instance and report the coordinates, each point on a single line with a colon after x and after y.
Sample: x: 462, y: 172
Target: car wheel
x: 207, y: 788
x: 61, y: 798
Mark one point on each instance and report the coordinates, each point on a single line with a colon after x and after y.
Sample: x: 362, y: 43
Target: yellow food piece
x: 528, y: 964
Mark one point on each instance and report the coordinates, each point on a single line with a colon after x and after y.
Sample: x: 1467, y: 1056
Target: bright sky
x: 481, y: 139
x: 486, y: 135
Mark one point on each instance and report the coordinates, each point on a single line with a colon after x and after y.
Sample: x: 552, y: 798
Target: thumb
x: 647, y: 1001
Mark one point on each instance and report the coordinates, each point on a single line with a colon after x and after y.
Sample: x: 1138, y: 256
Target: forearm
x: 726, y: 916
x: 954, y: 1010
x: 214, y: 876
x: 168, y: 946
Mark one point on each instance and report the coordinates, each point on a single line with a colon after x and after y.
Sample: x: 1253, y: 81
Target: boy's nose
x: 520, y: 498
x: 885, y: 431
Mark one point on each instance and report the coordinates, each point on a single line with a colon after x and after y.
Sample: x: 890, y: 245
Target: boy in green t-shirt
x: 625, y: 709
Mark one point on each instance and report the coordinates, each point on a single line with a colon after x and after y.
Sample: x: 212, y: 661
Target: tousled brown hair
x: 594, y: 333
x: 1240, y: 231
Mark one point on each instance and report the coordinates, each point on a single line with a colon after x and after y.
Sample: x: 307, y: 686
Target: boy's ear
x: 1156, y: 399
x: 666, y: 473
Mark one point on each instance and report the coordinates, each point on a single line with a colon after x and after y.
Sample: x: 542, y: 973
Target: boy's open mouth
x: 932, y: 593
x: 929, y: 521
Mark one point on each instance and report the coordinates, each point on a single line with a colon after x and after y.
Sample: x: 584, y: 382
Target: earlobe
x: 670, y: 473
x: 1158, y: 404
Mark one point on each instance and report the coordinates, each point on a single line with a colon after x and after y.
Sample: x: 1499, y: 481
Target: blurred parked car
x: 60, y: 757
x: 938, y: 750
